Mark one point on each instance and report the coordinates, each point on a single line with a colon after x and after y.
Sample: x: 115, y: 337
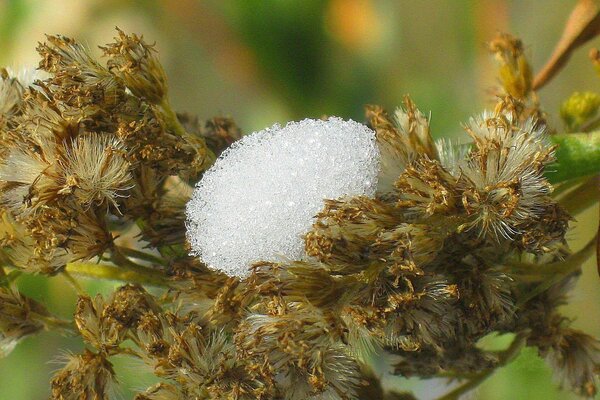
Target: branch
x: 111, y: 272
x: 505, y: 357
x: 581, y: 198
x: 583, y: 25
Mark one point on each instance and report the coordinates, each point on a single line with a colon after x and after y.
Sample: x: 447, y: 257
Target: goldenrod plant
x: 279, y: 264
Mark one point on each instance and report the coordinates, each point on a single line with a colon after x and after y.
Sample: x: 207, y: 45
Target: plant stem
x: 141, y: 255
x: 505, y: 357
x: 581, y: 198
x: 53, y: 323
x: 123, y: 261
x: 111, y: 272
x: 73, y: 282
x: 533, y: 272
x: 171, y: 118
x: 553, y: 272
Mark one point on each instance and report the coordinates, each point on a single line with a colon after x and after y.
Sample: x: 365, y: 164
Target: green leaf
x: 577, y: 155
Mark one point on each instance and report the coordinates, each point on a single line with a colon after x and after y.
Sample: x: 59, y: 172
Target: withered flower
x: 136, y: 63
x: 422, y: 249
x: 86, y: 376
x: 503, y: 177
x: 515, y: 72
x: 95, y: 170
x: 20, y: 316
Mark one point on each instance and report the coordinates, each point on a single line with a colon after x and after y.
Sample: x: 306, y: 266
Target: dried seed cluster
x: 457, y: 242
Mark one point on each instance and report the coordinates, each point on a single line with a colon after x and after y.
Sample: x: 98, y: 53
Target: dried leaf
x: 583, y: 25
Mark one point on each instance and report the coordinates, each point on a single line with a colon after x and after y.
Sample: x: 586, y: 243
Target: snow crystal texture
x: 261, y: 195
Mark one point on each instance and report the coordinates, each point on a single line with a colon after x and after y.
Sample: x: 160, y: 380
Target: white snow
x: 261, y: 196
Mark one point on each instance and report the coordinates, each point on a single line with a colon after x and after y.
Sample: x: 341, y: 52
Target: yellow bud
x: 579, y: 109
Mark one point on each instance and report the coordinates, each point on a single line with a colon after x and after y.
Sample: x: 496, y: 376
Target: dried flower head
x: 20, y: 316
x: 136, y: 63
x: 85, y: 376
x: 400, y: 141
x: 95, y: 170
x: 515, y: 72
x: 77, y: 79
x: 504, y: 183
x: 308, y: 361
x: 575, y: 359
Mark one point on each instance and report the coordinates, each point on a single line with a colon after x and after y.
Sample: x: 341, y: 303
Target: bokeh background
x: 271, y: 61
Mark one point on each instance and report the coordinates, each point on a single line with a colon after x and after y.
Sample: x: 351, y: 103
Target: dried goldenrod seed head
x: 84, y: 376
x: 26, y: 75
x: 575, y: 359
x: 260, y: 197
x: 504, y: 186
x: 451, y: 154
x: 95, y: 169
x: 13, y: 84
x: 401, y: 140
x: 17, y: 318
x: 30, y: 175
x: 136, y: 63
x: 515, y: 73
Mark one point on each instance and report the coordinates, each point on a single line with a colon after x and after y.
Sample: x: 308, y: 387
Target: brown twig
x: 583, y: 25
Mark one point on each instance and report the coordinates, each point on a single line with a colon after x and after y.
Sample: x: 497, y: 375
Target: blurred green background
x: 267, y: 61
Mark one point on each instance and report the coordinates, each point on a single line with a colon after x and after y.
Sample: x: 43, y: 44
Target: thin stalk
x: 591, y: 125
x: 171, y: 118
x: 73, y: 282
x: 141, y: 255
x: 128, y: 351
x: 118, y: 258
x: 554, y: 272
x: 9, y: 278
x: 539, y: 271
x: 504, y: 358
x: 54, y: 323
x: 561, y: 188
x: 598, y: 248
x: 111, y: 272
x: 581, y: 198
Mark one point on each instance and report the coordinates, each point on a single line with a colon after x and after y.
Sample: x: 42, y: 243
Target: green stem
x: 111, y: 272
x: 124, y: 262
x: 552, y: 273
x: 577, y: 155
x: 53, y: 323
x: 73, y: 282
x: 141, y: 255
x: 564, y: 187
x: 7, y: 279
x: 505, y: 357
x: 535, y: 272
x: 581, y: 198
x: 171, y: 118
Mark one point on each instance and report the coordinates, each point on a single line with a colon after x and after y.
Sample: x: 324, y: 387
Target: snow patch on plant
x: 261, y: 195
